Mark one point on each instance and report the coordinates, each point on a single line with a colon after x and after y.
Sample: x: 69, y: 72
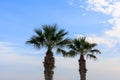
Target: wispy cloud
x: 6, y: 47
x: 111, y: 8
x: 13, y: 53
x: 108, y: 7
x: 75, y: 3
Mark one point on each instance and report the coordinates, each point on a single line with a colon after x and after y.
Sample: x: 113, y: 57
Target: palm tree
x: 49, y: 37
x: 83, y: 48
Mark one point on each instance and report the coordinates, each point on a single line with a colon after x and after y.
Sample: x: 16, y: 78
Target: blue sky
x: 99, y: 20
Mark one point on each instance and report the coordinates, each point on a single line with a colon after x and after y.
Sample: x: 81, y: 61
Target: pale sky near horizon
x: 98, y: 20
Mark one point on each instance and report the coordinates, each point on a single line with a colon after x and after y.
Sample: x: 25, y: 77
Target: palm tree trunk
x: 49, y: 65
x: 82, y: 68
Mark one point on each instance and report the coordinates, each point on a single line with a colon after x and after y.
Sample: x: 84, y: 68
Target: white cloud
x: 99, y: 6
x: 112, y: 8
x: 110, y: 37
x: 101, y: 40
x: 115, y: 31
x: 109, y: 7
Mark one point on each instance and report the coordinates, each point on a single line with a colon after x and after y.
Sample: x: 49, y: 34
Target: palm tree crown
x: 82, y: 47
x: 49, y: 37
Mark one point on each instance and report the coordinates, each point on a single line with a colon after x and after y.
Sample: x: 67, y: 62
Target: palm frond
x: 61, y: 51
x: 60, y: 35
x: 92, y: 45
x: 34, y: 42
x: 38, y: 32
x: 95, y: 51
x: 63, y: 43
x: 49, y: 31
x: 71, y: 53
x: 72, y: 46
x: 91, y: 56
